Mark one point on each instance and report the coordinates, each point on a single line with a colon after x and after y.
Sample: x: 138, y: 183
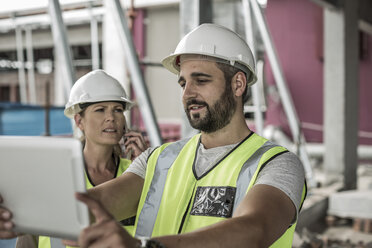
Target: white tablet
x: 38, y: 179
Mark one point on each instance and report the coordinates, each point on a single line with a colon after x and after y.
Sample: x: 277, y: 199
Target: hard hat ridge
x: 95, y: 86
x: 218, y: 42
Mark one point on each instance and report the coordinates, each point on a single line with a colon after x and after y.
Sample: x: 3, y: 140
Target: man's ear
x: 239, y: 83
x: 78, y: 121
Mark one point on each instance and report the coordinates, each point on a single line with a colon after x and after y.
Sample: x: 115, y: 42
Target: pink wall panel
x: 296, y: 29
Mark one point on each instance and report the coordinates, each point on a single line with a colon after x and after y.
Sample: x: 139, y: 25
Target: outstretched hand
x: 105, y: 231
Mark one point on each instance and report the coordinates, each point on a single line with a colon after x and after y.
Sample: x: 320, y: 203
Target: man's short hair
x: 229, y: 72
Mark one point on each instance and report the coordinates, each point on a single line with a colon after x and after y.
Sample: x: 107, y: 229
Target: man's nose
x: 189, y: 90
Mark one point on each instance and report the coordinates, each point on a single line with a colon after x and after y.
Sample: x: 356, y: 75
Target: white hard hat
x: 95, y: 86
x: 218, y: 42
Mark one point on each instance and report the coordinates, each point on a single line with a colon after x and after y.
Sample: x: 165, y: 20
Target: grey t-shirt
x: 284, y: 172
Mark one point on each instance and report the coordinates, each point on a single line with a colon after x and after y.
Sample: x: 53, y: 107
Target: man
x: 225, y: 187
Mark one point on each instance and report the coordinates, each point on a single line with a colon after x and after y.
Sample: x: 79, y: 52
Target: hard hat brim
x: 169, y: 63
x: 71, y: 110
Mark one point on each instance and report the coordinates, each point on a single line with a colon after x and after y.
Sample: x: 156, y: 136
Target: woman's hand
x: 134, y: 144
x: 6, y: 224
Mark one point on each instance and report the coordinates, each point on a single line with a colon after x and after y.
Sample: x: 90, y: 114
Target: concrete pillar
x: 21, y: 65
x: 341, y: 87
x: 64, y: 68
x: 58, y: 77
x: 113, y: 55
x: 94, y: 42
x: 30, y: 68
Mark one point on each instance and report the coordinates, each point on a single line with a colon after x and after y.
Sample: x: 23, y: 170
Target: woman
x: 96, y: 103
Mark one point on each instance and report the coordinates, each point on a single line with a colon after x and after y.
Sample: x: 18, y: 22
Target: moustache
x: 194, y: 101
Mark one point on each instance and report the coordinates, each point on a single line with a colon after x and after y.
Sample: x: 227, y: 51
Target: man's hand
x: 6, y: 224
x: 134, y: 144
x: 105, y: 231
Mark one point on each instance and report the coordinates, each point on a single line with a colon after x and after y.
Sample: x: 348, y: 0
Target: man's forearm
x: 119, y: 196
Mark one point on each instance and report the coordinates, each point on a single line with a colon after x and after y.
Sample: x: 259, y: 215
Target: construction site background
x: 325, y: 71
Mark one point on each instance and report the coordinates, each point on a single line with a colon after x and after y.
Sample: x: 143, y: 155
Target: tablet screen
x: 38, y: 179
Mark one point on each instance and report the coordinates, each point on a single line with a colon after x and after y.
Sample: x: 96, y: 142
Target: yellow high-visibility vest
x: 175, y: 200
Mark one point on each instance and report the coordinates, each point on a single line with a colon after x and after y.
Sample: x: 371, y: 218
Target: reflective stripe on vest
x: 247, y: 172
x: 147, y: 218
x: 149, y: 212
x: 56, y: 243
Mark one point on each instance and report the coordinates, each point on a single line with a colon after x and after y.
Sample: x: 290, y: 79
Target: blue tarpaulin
x: 7, y: 243
x: 25, y: 120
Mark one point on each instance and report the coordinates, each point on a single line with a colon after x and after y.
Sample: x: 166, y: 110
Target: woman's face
x: 102, y: 123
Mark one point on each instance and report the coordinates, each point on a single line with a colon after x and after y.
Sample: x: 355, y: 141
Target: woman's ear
x: 239, y: 84
x: 78, y: 121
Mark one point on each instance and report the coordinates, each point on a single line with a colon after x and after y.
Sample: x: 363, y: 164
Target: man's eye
x: 182, y: 85
x: 202, y: 81
x: 99, y: 110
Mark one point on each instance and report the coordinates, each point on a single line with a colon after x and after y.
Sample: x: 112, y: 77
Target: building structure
x: 299, y: 30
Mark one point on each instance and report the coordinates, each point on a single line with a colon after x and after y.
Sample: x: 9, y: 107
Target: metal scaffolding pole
x: 258, y: 117
x: 285, y: 96
x: 136, y: 74
x: 21, y: 65
x: 62, y: 48
x: 30, y: 67
x: 94, y: 39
